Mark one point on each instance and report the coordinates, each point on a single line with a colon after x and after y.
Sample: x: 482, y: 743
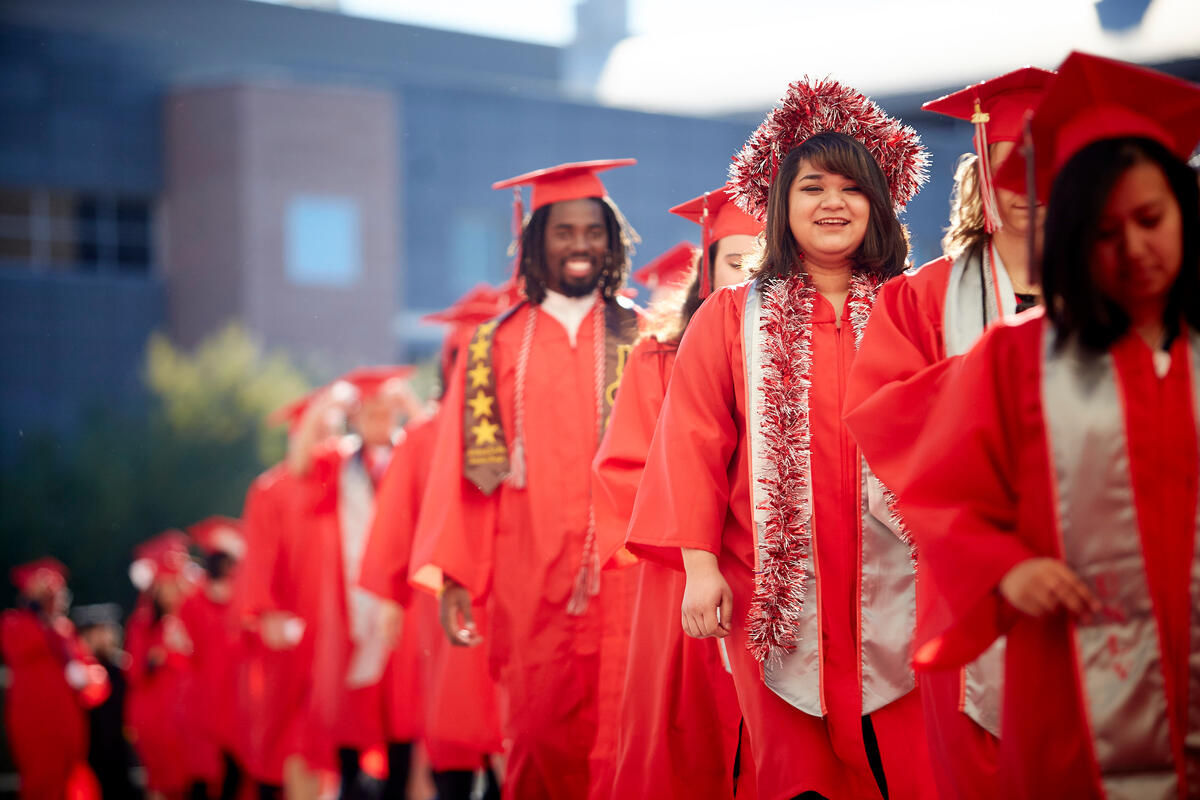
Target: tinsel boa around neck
x: 784, y: 337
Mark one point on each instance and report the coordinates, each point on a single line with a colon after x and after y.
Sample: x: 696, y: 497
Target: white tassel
x: 516, y: 469
x: 587, y: 586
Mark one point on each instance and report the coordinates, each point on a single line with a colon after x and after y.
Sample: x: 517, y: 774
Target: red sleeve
x: 397, y: 503
x: 253, y: 592
x: 617, y: 468
x: 22, y: 638
x: 139, y: 639
x: 684, y: 494
x: 897, y: 372
x: 962, y: 499
x: 456, y: 528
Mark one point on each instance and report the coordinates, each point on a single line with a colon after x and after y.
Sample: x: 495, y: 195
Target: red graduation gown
x: 156, y: 704
x: 983, y: 498
x: 677, y: 721
x: 893, y: 383
x: 443, y: 694
x: 696, y: 493
x: 522, y: 548
x: 47, y: 726
x: 349, y: 717
x: 213, y: 701
x: 279, y: 573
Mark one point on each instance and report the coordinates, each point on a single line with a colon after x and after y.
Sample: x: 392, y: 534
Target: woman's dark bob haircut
x: 1080, y: 192
x: 884, y: 248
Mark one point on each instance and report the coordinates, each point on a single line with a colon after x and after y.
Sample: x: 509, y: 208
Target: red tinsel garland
x: 812, y: 107
x: 786, y: 536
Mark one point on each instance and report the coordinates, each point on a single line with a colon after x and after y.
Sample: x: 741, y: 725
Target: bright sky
x: 550, y: 21
x: 878, y: 46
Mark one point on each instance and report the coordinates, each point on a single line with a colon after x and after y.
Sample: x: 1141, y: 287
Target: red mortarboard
x: 478, y: 305
x: 718, y: 216
x: 219, y: 535
x: 1095, y: 98
x: 999, y: 104
x: 565, y: 182
x: 672, y: 267
x: 165, y: 554
x: 293, y: 411
x: 997, y: 109
x: 50, y: 570
x: 370, y: 380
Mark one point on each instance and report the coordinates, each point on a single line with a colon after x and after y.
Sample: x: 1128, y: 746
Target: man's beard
x: 581, y: 286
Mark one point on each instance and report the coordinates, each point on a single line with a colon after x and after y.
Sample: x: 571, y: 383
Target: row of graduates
x: 924, y: 545
x: 84, y: 708
x: 590, y: 471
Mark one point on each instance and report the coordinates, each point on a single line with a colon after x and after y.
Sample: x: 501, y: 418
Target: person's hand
x: 1041, y: 586
x: 280, y: 630
x: 175, y: 636
x: 391, y: 617
x: 457, y: 620
x: 707, y: 601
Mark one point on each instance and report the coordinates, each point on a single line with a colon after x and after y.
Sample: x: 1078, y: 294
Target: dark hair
x: 692, y: 300
x: 667, y: 319
x: 884, y: 247
x: 533, y: 252
x: 218, y: 564
x: 1080, y: 192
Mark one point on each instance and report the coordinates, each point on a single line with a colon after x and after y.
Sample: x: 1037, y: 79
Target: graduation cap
x: 91, y: 616
x: 478, y: 305
x: 48, y: 571
x: 997, y: 108
x: 670, y: 268
x: 164, y: 554
x: 1095, y: 98
x: 373, y: 381
x: 574, y: 181
x: 291, y: 413
x: 718, y: 216
x: 219, y: 534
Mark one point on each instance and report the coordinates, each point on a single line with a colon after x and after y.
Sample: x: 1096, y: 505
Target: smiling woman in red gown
x: 785, y: 535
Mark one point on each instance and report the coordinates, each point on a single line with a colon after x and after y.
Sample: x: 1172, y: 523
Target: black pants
x: 457, y: 784
x: 399, y: 764
x: 230, y: 783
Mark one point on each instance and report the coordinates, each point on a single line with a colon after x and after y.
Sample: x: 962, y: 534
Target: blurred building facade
x: 324, y: 179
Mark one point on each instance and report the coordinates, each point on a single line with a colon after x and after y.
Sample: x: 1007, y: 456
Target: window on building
x: 323, y: 240
x: 475, y: 246
x: 54, y: 229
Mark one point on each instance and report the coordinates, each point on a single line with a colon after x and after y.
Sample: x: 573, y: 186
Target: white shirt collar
x: 569, y: 311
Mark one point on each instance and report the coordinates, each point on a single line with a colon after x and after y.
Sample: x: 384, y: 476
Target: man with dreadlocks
x: 508, y: 507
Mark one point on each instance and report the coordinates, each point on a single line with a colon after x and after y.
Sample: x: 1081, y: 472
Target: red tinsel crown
x: 812, y: 107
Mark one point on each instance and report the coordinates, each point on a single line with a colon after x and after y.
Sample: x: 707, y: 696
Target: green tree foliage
x: 189, y: 452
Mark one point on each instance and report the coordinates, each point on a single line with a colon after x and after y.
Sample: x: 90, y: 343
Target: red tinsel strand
x: 786, y: 541
x: 779, y: 590
x: 812, y: 107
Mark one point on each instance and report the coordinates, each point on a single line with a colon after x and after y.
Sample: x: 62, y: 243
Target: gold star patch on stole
x: 480, y: 374
x: 485, y: 432
x: 479, y: 348
x: 481, y: 404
